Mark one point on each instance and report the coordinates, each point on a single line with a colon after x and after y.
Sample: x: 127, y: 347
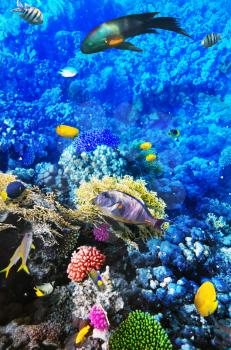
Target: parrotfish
x: 22, y: 252
x: 126, y: 208
x: 29, y: 13
x: 113, y: 34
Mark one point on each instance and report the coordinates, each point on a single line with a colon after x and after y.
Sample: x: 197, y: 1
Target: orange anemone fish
x: 66, y: 131
x: 114, y: 40
x: 151, y: 157
x: 206, y: 299
x: 146, y: 146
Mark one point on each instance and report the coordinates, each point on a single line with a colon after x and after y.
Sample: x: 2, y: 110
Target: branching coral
x: 138, y: 332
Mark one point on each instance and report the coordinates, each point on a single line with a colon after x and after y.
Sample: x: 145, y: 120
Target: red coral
x: 83, y: 261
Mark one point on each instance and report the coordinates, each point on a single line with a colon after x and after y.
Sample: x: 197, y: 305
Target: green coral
x: 140, y: 331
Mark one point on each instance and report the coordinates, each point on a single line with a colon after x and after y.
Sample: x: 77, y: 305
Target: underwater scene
x: 115, y: 164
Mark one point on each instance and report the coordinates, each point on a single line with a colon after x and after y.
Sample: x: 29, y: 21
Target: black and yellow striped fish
x: 210, y: 40
x: 29, y: 13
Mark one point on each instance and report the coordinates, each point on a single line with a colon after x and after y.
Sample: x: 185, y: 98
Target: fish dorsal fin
x: 144, y: 16
x: 128, y: 46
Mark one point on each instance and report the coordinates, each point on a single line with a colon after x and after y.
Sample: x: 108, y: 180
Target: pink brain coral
x: 98, y: 318
x: 83, y: 261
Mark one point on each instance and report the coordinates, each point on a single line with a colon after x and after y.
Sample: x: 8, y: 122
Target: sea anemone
x: 98, y: 318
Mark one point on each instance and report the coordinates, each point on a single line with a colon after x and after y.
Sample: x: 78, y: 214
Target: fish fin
x: 6, y: 270
x: 23, y: 267
x: 120, y: 206
x: 144, y: 16
x: 3, y: 195
x: 32, y: 246
x: 38, y: 292
x: 128, y: 46
x: 150, y: 31
x: 167, y: 23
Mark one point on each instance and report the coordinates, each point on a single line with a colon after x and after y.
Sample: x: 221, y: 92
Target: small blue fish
x: 13, y: 190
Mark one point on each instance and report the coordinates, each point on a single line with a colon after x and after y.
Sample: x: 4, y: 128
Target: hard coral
x: 98, y: 318
x: 138, y: 332
x: 83, y: 261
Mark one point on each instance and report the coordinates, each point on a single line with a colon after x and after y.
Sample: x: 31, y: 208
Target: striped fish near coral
x: 126, y: 208
x: 210, y: 40
x: 29, y: 13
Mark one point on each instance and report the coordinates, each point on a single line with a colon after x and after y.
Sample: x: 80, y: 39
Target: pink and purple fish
x: 126, y: 208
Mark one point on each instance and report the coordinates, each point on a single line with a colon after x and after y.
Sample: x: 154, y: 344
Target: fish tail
x: 3, y: 195
x: 6, y: 270
x: 23, y: 267
x: 167, y: 23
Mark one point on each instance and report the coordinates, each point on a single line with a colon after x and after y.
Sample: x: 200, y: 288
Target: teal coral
x: 140, y: 331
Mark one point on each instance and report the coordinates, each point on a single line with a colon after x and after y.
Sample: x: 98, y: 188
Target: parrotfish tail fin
x: 23, y: 267
x: 167, y: 23
x: 6, y: 270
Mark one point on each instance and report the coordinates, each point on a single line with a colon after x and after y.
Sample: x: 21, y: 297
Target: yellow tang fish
x: 151, y: 157
x: 66, y: 131
x: 29, y: 13
x: 206, y: 299
x: 146, y: 146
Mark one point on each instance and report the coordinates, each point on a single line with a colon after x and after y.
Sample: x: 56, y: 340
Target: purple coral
x: 88, y: 141
x: 98, y: 318
x: 101, y: 233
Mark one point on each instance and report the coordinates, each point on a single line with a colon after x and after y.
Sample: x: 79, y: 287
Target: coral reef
x: 139, y: 331
x: 83, y: 261
x: 98, y: 318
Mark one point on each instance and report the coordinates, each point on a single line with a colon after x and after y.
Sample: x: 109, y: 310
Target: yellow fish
x: 80, y: 337
x: 38, y: 292
x: 146, y: 146
x: 151, y: 157
x: 206, y: 299
x: 22, y: 252
x: 66, y: 131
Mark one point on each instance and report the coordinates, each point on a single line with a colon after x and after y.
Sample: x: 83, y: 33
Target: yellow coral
x: 5, y: 179
x: 137, y: 188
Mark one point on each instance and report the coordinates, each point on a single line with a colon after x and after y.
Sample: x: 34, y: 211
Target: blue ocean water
x: 176, y: 95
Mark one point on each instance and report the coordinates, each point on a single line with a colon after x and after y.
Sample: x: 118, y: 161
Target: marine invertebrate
x: 98, y: 318
x: 88, y: 141
x: 140, y: 331
x: 101, y: 233
x: 83, y: 261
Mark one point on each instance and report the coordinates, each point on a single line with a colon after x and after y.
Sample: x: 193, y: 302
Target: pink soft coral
x: 98, y: 318
x: 101, y: 233
x: 83, y: 261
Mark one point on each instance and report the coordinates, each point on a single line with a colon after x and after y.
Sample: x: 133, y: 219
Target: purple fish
x: 126, y: 208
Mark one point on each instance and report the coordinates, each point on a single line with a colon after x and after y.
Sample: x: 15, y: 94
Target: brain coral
x: 83, y: 261
x: 138, y: 332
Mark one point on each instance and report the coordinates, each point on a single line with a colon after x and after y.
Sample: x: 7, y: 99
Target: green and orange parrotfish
x: 114, y: 33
